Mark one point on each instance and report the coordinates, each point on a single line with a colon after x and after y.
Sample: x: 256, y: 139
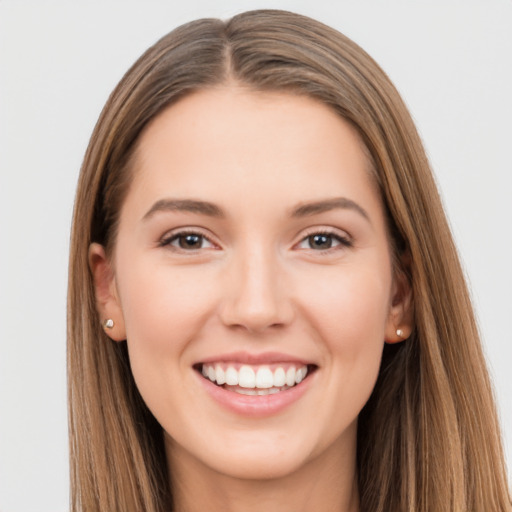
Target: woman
x: 267, y: 310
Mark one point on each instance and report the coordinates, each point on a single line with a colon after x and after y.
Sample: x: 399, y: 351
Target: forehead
x: 231, y: 141
x: 242, y: 113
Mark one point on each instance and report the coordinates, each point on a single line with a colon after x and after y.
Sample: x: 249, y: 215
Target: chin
x: 257, y: 456
x: 259, y: 466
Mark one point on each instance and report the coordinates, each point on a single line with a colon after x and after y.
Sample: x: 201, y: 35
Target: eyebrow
x: 212, y: 210
x: 316, y: 207
x: 185, y: 205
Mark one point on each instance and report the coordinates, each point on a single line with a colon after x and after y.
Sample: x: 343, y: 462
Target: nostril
x: 255, y: 297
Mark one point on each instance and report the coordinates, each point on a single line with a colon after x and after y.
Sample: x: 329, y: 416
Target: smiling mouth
x: 254, y: 380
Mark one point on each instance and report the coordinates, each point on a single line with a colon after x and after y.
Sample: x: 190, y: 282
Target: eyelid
x: 345, y: 240
x: 169, y: 236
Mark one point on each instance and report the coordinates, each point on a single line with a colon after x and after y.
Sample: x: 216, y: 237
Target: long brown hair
x: 428, y: 438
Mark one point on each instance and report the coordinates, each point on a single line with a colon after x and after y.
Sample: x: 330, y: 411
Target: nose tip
x: 255, y: 300
x: 253, y: 317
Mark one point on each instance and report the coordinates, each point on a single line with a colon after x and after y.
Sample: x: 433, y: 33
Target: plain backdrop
x: 59, y: 61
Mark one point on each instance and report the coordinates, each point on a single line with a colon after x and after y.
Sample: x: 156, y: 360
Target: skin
x: 255, y: 283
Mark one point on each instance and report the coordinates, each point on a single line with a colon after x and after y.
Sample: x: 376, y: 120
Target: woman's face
x: 252, y: 247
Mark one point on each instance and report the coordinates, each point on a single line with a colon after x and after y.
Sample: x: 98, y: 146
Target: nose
x: 255, y: 295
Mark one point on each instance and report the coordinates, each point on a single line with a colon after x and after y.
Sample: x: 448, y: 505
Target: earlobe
x: 401, y: 316
x: 107, y: 300
x: 400, y: 334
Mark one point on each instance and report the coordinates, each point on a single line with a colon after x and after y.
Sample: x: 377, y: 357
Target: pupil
x: 320, y: 241
x: 190, y: 241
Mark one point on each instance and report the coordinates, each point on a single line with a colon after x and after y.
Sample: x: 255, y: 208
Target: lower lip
x: 255, y: 405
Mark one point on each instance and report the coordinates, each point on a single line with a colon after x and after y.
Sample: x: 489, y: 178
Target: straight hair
x: 428, y: 438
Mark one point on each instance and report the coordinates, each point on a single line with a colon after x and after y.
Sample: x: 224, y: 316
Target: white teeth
x: 299, y: 375
x: 279, y: 378
x: 290, y: 376
x: 220, y: 376
x: 250, y: 377
x: 245, y: 391
x: 231, y: 376
x: 246, y: 377
x: 259, y: 392
x: 264, y: 378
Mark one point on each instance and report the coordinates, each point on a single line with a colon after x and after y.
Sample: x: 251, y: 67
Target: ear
x: 400, y: 321
x: 107, y: 299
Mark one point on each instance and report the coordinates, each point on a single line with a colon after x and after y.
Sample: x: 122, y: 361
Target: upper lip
x: 255, y: 359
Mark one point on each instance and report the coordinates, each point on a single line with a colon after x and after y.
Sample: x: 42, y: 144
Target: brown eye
x: 190, y: 241
x: 320, y: 241
x: 324, y: 241
x: 187, y: 241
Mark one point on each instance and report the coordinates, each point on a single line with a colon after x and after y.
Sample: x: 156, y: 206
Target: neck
x: 327, y: 483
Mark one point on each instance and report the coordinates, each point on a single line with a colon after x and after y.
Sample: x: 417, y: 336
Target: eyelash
x: 167, y: 240
x: 342, y: 241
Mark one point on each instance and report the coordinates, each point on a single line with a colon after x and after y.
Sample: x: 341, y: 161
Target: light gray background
x: 59, y: 61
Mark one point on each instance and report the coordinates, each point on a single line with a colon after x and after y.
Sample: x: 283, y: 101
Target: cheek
x: 345, y: 314
x: 349, y: 307
x: 348, y: 314
x: 163, y: 307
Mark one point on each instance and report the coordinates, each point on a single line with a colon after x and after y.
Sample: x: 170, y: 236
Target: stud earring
x: 108, y: 323
x: 400, y: 333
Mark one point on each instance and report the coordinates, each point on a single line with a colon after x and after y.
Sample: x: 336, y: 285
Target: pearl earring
x: 400, y: 333
x: 108, y: 323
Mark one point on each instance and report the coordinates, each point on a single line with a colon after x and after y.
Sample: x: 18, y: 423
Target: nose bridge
x: 255, y: 297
